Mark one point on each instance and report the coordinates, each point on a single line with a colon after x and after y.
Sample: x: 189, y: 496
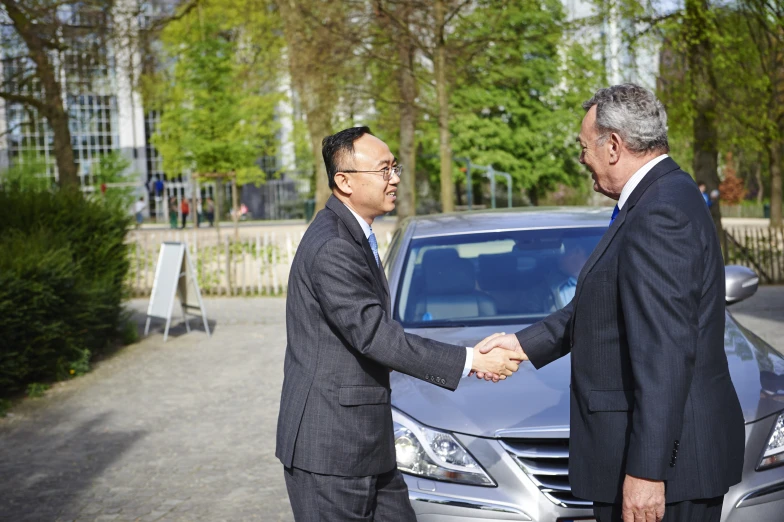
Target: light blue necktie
x: 614, y: 214
x: 568, y: 289
x: 374, y: 247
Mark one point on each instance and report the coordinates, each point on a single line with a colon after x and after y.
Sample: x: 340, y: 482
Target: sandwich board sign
x: 174, y: 277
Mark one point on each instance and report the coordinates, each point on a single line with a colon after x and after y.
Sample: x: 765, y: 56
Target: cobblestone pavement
x: 183, y: 430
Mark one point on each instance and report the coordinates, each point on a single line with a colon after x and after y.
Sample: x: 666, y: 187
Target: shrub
x: 63, y: 261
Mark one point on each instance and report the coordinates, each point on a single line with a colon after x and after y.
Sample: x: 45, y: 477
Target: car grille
x: 546, y: 461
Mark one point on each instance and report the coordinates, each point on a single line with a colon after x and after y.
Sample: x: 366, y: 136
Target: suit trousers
x: 700, y: 510
x: 330, y: 498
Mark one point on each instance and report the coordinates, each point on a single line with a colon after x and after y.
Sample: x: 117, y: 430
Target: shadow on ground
x: 46, y: 462
x: 176, y: 328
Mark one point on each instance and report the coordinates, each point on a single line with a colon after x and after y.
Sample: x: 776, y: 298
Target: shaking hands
x: 497, y: 357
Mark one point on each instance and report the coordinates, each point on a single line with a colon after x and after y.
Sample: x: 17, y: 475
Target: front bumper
x: 759, y: 497
x: 516, y: 497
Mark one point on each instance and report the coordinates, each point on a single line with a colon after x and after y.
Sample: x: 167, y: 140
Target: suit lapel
x: 345, y: 215
x: 665, y: 166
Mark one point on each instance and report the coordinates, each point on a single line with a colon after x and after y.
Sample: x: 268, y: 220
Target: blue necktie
x: 614, y: 214
x: 374, y: 247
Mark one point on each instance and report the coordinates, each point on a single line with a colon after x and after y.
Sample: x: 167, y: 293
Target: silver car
x: 501, y: 451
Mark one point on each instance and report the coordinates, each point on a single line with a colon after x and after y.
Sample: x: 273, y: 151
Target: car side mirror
x: 740, y: 283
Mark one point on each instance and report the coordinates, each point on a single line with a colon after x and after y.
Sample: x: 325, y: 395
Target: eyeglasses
x: 386, y: 172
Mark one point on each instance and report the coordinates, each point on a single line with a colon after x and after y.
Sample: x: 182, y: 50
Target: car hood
x: 537, y: 401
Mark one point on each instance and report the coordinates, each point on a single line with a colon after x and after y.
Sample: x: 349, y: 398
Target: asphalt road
x: 183, y: 430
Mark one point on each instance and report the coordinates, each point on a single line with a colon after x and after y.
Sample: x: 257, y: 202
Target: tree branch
x: 25, y: 100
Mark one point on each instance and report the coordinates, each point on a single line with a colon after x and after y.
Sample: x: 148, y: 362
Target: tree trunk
x: 703, y: 87
x: 319, y: 127
x: 312, y: 79
x: 706, y: 151
x: 51, y: 107
x: 63, y: 150
x: 218, y: 204
x: 445, y: 148
x: 775, y: 155
x: 760, y: 187
x: 406, y: 192
x: 235, y: 212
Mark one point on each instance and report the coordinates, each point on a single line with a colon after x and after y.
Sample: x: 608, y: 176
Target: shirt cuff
x: 469, y: 361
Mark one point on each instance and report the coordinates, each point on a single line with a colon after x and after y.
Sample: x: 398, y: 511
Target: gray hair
x: 634, y: 113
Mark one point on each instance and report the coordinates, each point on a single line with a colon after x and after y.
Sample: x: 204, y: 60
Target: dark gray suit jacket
x: 335, y: 415
x: 651, y: 394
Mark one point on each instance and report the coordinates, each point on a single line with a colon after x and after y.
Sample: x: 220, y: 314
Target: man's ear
x: 343, y: 183
x: 614, y: 144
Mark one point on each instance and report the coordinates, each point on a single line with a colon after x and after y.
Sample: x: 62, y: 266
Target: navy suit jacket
x: 651, y: 394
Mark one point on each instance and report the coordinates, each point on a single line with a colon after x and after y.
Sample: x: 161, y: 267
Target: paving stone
x: 161, y: 431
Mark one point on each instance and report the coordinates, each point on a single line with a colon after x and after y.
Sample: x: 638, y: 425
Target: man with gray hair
x: 656, y: 426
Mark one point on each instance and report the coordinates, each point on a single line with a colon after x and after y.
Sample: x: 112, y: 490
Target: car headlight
x: 774, y: 451
x: 434, y: 454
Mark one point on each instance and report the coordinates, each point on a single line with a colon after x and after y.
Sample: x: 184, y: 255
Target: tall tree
x: 765, y: 23
x: 432, y: 33
x: 43, y: 32
x: 55, y: 49
x: 699, y: 32
x: 318, y: 64
x: 516, y: 103
x: 218, y: 98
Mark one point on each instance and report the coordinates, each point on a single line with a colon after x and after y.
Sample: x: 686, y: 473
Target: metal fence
x: 252, y: 265
x: 748, y: 210
x: 759, y: 248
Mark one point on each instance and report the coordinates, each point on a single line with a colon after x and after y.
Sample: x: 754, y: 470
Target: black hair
x: 335, y: 148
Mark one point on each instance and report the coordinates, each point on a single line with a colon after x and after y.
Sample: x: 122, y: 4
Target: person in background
x: 704, y: 191
x: 173, y: 212
x: 199, y: 212
x: 570, y: 264
x: 210, y: 211
x: 185, y: 209
x: 138, y: 210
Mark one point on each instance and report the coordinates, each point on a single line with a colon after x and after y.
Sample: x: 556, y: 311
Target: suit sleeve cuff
x: 469, y: 361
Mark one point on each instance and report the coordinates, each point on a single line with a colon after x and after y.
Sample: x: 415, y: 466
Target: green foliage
x: 63, y: 261
x: 129, y: 333
x: 36, y: 390
x: 5, y: 405
x: 218, y: 97
x: 515, y: 92
x: 28, y: 173
x: 113, y: 168
x: 517, y: 107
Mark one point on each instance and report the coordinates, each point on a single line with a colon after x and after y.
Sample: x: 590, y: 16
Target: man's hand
x: 643, y: 500
x: 505, y: 341
x: 501, y: 363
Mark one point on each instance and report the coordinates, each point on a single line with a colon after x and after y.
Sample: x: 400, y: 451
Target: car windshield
x: 508, y: 277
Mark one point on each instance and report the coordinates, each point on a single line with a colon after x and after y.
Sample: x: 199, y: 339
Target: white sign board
x: 174, y: 277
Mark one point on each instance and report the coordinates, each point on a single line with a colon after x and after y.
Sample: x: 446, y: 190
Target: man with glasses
x: 335, y: 436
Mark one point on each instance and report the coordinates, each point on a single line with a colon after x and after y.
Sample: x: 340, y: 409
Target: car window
x: 491, y: 278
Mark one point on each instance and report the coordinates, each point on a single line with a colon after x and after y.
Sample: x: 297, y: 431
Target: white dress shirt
x: 636, y: 178
x: 367, y: 230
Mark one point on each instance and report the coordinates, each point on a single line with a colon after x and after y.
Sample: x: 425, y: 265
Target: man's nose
x: 394, y: 180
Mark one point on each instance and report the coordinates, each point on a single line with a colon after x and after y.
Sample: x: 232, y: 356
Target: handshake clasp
x: 497, y: 357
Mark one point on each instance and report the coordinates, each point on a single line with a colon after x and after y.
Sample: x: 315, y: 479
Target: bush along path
x: 63, y: 263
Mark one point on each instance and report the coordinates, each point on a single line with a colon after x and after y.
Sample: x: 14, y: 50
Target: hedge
x: 63, y: 261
